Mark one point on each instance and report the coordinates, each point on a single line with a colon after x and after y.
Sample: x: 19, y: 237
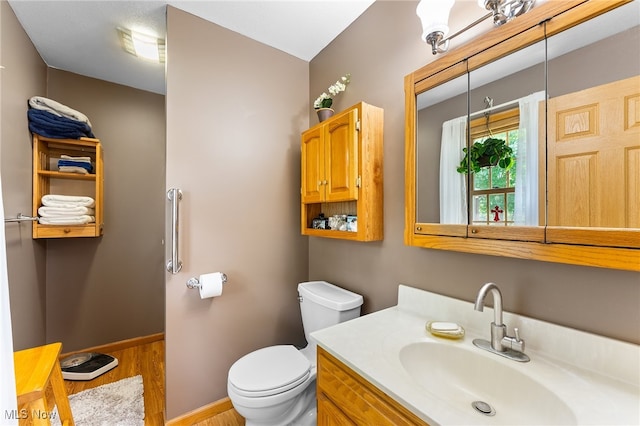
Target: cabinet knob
x: 419, y: 228
x: 324, y: 182
x: 474, y: 231
x: 66, y: 230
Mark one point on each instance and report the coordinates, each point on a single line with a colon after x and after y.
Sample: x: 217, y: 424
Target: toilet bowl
x: 271, y: 385
x: 276, y: 385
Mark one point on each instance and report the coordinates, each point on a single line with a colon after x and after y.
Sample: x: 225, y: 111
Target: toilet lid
x: 269, y: 371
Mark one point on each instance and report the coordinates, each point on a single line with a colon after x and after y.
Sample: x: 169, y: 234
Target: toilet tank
x: 323, y: 304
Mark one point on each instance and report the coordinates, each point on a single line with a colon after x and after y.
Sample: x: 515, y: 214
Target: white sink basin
x: 573, y: 377
x: 460, y: 375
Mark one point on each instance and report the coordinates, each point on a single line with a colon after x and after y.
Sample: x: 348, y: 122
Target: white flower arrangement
x: 326, y: 100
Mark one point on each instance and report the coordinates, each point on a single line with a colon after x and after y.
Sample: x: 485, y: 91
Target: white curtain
x: 453, y: 192
x: 526, y: 196
x: 8, y: 403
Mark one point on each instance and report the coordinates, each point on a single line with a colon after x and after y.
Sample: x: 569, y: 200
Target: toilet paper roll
x: 211, y: 285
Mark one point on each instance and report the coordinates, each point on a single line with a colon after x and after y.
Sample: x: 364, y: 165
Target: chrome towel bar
x: 21, y: 218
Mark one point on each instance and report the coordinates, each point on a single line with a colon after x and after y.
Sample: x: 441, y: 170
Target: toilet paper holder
x: 194, y: 282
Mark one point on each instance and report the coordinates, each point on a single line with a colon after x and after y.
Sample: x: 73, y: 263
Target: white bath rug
x: 115, y: 404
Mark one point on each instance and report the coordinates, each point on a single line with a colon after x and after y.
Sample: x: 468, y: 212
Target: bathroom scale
x: 86, y: 365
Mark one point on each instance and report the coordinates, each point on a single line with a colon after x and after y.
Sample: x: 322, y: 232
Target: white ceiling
x: 80, y: 36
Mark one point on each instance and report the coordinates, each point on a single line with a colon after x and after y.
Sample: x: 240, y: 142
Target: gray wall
x: 379, y: 49
x: 23, y: 76
x: 85, y: 291
x: 101, y: 290
x: 235, y: 110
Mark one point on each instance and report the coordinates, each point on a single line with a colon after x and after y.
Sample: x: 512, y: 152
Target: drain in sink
x: 483, y: 408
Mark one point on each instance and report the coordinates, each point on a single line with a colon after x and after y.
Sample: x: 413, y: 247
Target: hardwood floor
x: 228, y: 418
x: 146, y: 358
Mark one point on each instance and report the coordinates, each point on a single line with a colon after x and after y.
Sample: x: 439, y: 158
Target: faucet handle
x: 516, y: 342
x: 517, y: 332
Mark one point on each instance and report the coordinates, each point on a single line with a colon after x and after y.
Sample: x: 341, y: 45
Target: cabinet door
x: 329, y: 414
x: 312, y: 172
x: 341, y: 158
x: 353, y: 400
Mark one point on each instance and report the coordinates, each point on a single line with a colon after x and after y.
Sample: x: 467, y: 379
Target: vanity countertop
x: 597, y: 378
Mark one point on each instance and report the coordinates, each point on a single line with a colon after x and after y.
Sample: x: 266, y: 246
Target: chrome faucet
x: 501, y: 343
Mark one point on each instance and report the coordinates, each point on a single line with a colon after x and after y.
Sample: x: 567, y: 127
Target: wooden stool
x: 36, y: 370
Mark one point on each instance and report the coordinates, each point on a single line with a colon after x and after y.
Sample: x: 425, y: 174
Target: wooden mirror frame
x: 605, y: 248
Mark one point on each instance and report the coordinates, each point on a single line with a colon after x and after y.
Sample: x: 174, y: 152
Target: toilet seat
x: 269, y: 371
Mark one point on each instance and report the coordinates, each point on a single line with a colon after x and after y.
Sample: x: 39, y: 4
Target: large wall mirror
x: 555, y: 96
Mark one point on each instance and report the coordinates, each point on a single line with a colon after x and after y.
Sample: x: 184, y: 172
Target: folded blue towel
x: 82, y: 164
x: 52, y: 126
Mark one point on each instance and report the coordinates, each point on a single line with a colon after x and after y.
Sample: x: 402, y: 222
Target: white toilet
x: 276, y: 385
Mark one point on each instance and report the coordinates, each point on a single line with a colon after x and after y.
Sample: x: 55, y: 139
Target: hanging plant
x: 490, y: 152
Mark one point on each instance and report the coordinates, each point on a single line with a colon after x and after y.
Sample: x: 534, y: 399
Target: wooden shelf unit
x: 46, y: 179
x: 341, y: 172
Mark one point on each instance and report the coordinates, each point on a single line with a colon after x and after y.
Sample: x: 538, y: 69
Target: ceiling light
x: 141, y: 45
x: 434, y: 15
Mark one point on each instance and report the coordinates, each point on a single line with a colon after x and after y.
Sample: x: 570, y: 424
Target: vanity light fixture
x: 434, y: 15
x: 504, y: 11
x: 142, y: 45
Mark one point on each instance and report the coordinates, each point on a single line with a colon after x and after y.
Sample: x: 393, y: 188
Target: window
x: 493, y: 188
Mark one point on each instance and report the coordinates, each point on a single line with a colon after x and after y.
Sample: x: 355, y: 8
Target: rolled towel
x: 45, y: 211
x: 54, y: 107
x: 55, y: 200
x: 67, y: 220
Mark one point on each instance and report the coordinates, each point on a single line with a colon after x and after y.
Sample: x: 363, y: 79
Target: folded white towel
x: 54, y: 107
x: 67, y: 220
x: 82, y: 159
x: 73, y: 169
x: 55, y: 200
x: 45, y: 211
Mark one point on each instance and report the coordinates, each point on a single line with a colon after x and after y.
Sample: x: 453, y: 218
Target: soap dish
x: 449, y: 330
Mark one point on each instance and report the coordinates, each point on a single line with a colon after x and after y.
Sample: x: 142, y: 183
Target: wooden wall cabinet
x: 48, y: 180
x: 341, y: 172
x: 345, y: 398
x: 596, y: 244
x: 330, y: 160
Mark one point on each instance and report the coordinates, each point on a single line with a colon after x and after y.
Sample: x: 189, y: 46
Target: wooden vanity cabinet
x: 341, y: 172
x: 48, y: 180
x: 345, y: 398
